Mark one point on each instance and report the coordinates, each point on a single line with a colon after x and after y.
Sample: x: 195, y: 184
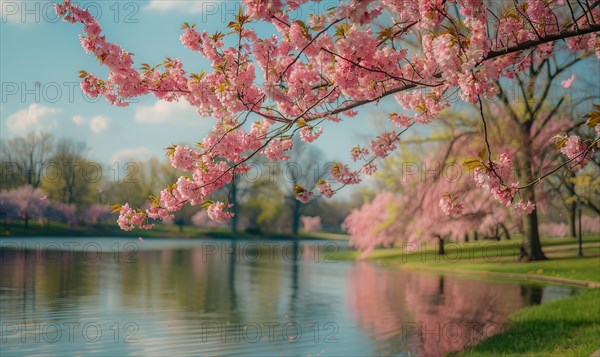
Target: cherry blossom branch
x: 487, y: 143
x: 580, y: 155
x: 548, y: 38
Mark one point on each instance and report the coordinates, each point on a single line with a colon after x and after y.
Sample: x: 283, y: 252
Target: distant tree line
x: 47, y: 179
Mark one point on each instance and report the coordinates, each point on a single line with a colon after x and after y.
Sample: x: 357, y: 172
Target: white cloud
x: 78, y: 120
x: 99, y: 124
x: 198, y: 6
x: 132, y: 154
x: 169, y: 113
x: 34, y: 118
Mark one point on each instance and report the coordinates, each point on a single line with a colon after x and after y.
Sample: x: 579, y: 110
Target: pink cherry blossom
x: 575, y: 148
x: 384, y: 143
x: 325, y: 189
x: 308, y: 134
x: 330, y: 65
x: 130, y: 218
x: 369, y: 169
x: 359, y: 153
x: 277, y: 148
x: 568, y: 82
x: 450, y: 207
x: 217, y: 213
x: 303, y: 195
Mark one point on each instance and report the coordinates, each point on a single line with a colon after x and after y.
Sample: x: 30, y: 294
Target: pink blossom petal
x: 568, y: 82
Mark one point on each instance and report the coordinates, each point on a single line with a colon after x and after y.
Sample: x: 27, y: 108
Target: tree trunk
x: 26, y: 220
x: 475, y: 236
x: 466, y: 237
x: 296, y: 217
x: 441, y: 250
x: 573, y: 219
x: 531, y: 247
x: 506, y: 232
x: 234, y: 219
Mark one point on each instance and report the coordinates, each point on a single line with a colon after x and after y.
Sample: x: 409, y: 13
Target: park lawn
x: 471, y: 251
x: 585, y: 268
x: 589, y: 250
x: 500, y: 257
x: 325, y: 235
x: 566, y: 327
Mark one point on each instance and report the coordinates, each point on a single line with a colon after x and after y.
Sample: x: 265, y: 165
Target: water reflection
x: 429, y: 314
x: 209, y: 299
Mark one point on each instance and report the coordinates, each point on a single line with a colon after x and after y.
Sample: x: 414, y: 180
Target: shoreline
x: 513, y: 276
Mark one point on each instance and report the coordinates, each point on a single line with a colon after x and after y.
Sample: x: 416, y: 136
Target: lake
x: 164, y: 297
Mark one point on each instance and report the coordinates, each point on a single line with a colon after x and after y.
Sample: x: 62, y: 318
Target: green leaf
x: 473, y: 163
x: 342, y: 30
x: 482, y: 154
x: 560, y: 143
x: 116, y: 208
x: 301, y: 123
x: 593, y: 119
x: 171, y: 150
x: 206, y: 204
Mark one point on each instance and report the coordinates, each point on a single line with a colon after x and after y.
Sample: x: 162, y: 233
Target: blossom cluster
x: 450, y: 206
x: 217, y: 213
x: 322, y: 69
x: 129, y: 218
x: 576, y: 149
x: 490, y: 177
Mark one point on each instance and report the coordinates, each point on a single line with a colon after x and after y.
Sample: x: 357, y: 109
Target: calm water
x: 169, y: 298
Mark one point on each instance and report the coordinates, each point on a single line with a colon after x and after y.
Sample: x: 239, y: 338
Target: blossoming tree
x: 431, y: 198
x: 24, y: 202
x: 443, y: 204
x: 314, y: 71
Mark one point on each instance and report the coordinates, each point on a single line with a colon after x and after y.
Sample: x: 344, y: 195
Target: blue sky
x: 41, y: 57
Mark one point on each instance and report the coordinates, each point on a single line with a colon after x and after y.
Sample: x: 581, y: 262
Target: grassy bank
x: 567, y: 327
x: 497, y: 257
x: 159, y: 231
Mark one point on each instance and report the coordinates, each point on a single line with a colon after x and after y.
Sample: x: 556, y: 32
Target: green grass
x: 482, y: 249
x: 586, y: 268
x: 325, y: 235
x: 567, y: 327
x: 497, y: 256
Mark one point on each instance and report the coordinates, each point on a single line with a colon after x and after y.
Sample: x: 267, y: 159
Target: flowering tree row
x: 316, y: 71
x: 26, y: 202
x: 417, y: 206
